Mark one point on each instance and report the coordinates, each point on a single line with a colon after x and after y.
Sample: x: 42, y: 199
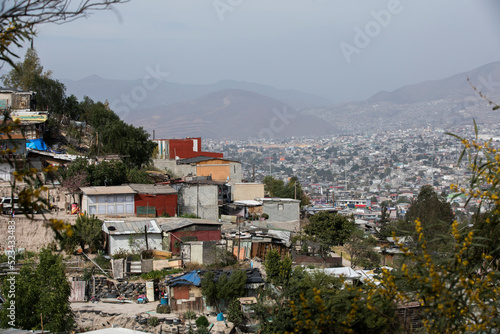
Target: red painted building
x: 163, y: 198
x: 180, y: 230
x: 183, y: 149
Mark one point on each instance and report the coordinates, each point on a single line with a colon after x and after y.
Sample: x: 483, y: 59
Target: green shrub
x: 163, y: 309
x: 202, y: 322
x: 153, y: 321
x: 102, y: 262
x: 121, y: 254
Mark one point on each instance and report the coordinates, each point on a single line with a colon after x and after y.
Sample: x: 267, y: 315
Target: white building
x: 108, y: 201
x: 132, y: 236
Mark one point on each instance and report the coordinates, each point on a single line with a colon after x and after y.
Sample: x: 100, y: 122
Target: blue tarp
x: 190, y: 278
x: 37, y: 144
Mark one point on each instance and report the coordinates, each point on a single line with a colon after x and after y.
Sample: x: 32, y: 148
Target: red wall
x: 163, y: 203
x: 201, y: 236
x: 183, y: 148
x: 181, y: 292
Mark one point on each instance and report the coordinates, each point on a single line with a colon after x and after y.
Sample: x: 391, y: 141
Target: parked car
x: 6, y: 205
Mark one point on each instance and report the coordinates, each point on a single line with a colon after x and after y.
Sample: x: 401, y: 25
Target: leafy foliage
x: 40, y: 289
x: 318, y: 303
x: 202, y: 322
x: 112, y: 135
x: 87, y: 231
x: 235, y: 314
x: 107, y: 173
x: 436, y: 216
x: 384, y: 229
x: 278, y: 188
x: 219, y: 293
x: 361, y: 250
x: 329, y: 229
x: 278, y: 271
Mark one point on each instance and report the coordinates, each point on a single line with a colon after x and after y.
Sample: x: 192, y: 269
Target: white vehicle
x: 6, y: 205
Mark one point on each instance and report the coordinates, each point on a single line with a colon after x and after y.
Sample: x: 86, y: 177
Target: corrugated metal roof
x: 200, y: 159
x: 107, y: 190
x: 130, y: 227
x: 177, y: 223
x: 153, y: 189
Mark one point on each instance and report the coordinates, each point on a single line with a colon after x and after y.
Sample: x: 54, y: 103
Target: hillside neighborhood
x: 206, y: 213
x: 249, y: 168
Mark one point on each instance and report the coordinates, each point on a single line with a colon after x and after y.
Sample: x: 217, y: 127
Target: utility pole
x: 253, y: 168
x: 239, y: 239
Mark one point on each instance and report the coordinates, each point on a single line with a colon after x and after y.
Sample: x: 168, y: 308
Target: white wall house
x: 108, y: 201
x: 130, y: 236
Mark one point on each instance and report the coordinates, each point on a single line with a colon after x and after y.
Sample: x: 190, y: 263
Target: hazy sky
x: 342, y: 50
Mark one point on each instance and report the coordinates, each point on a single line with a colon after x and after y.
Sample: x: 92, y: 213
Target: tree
x: 278, y: 270
x: 26, y: 73
x: 278, y: 188
x: 436, y: 216
x: 235, y: 314
x: 361, y: 250
x: 40, y: 290
x: 209, y: 288
x: 314, y: 302
x: 329, y: 229
x: 383, y: 231
x: 221, y: 291
x: 20, y: 19
x: 88, y: 232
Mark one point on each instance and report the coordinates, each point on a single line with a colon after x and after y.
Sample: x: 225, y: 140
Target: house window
x: 280, y: 207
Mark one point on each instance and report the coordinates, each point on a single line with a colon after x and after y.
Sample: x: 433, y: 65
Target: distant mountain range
x: 230, y: 114
x: 241, y: 110
x: 166, y: 93
x: 440, y: 103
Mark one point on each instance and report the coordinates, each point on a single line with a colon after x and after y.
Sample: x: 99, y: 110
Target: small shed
x: 131, y: 236
x: 179, y: 230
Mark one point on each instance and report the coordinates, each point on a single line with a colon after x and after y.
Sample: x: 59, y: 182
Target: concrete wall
x: 31, y: 235
x: 138, y: 242
x: 236, y: 172
x: 172, y: 166
x: 282, y: 211
x: 217, y: 169
x: 247, y: 191
x: 200, y: 200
